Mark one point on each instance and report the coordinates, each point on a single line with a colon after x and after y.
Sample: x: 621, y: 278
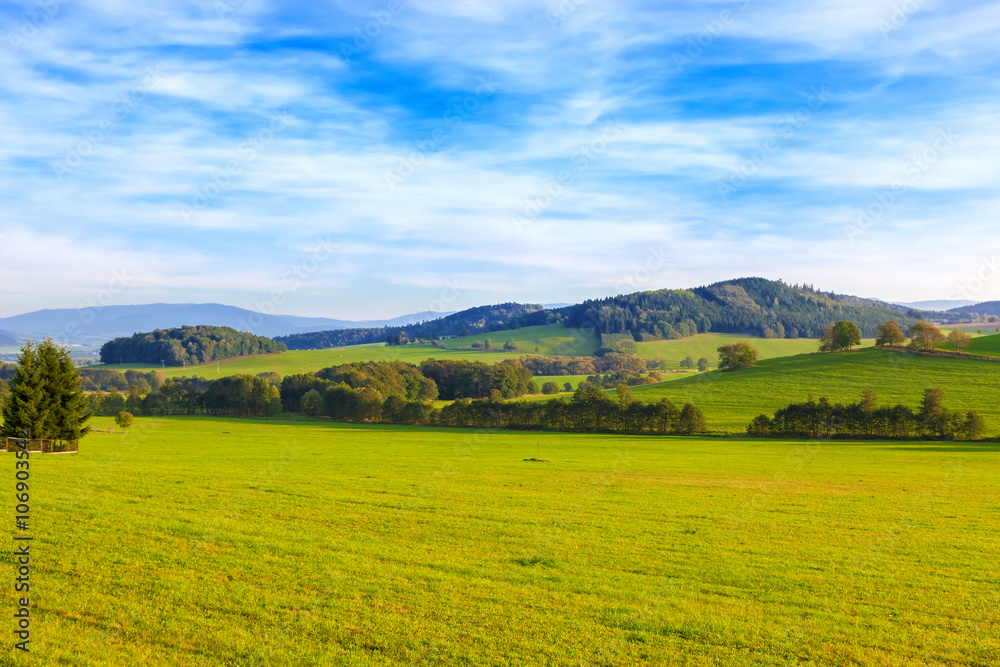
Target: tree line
x: 866, y: 419
x: 186, y: 345
x: 752, y: 306
x: 482, y: 319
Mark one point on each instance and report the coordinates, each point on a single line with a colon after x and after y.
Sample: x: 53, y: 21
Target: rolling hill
x: 747, y: 306
x: 731, y: 399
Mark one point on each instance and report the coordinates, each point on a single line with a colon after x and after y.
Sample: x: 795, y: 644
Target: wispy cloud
x: 167, y: 187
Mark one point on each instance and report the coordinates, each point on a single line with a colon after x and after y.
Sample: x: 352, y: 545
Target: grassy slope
x: 707, y: 346
x: 304, y: 361
x: 985, y: 345
x: 731, y: 399
x: 552, y: 339
x: 208, y: 541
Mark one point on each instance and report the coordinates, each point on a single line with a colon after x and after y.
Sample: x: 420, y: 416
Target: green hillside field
x: 209, y: 541
x: 707, y: 345
x: 730, y: 399
x: 305, y: 361
x: 551, y: 340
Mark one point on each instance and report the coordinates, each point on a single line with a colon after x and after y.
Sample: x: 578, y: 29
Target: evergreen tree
x: 46, y: 400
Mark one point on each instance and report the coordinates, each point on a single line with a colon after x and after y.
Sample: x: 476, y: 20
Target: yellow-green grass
x: 984, y: 345
x: 198, y: 541
x: 550, y: 339
x: 707, y: 345
x: 306, y: 361
x: 731, y: 399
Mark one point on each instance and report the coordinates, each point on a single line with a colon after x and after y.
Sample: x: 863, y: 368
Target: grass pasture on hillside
x: 707, y: 345
x: 306, y: 361
x: 551, y: 339
x: 197, y: 541
x: 731, y: 399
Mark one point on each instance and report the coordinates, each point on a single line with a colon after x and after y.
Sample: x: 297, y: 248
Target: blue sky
x: 369, y: 159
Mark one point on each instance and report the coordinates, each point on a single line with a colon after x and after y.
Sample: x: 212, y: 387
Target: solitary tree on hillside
x: 736, y: 357
x: 45, y: 401
x: 889, y: 334
x: 840, y: 336
x: 124, y: 420
x: 703, y: 364
x: 925, y: 335
x: 960, y: 339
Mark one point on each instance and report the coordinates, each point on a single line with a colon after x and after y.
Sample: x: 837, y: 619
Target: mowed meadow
x: 206, y: 541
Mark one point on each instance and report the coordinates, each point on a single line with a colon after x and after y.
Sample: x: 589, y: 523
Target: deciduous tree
x: 736, y: 356
x: 926, y: 336
x: 889, y: 333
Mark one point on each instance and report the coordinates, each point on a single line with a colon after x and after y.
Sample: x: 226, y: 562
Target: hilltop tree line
x: 867, y: 420
x: 483, y: 319
x: 765, y: 308
x: 186, y: 345
x: 752, y: 306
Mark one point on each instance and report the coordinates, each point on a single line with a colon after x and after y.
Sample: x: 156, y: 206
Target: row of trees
x: 866, y: 419
x: 186, y: 345
x: 589, y: 410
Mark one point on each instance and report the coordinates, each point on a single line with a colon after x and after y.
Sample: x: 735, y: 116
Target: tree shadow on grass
x: 958, y: 447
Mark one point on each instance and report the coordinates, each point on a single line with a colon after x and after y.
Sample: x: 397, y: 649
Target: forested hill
x: 747, y: 305
x: 474, y: 320
x: 186, y: 345
x: 985, y: 308
x: 752, y: 306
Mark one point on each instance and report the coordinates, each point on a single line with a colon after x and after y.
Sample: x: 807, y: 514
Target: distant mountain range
x: 94, y: 326
x: 985, y: 308
x: 940, y: 305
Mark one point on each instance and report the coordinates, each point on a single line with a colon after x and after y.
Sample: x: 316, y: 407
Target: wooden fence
x: 42, y: 446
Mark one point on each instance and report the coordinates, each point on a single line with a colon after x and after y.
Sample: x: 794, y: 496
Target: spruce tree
x: 46, y: 401
x: 26, y: 414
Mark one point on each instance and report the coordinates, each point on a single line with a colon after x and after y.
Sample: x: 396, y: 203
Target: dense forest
x: 186, y: 345
x: 765, y: 308
x: 752, y: 306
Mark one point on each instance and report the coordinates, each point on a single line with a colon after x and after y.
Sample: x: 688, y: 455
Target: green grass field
x: 552, y: 339
x: 985, y: 345
x: 306, y: 361
x: 198, y: 541
x: 731, y: 399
